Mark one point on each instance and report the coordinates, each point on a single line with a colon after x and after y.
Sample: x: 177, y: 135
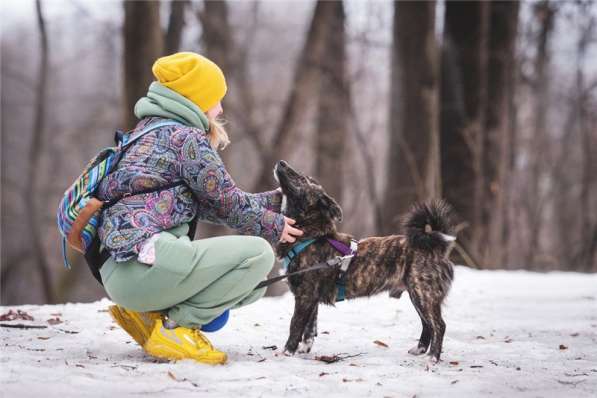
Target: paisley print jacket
x: 170, y: 154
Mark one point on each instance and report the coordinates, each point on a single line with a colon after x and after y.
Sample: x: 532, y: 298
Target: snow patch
x: 508, y: 334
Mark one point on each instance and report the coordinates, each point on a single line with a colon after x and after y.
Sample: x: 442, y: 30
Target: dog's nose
x: 282, y: 163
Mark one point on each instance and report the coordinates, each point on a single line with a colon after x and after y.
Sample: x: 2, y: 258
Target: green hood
x: 163, y: 102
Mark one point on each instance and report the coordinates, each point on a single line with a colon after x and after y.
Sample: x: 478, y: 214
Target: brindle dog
x: 415, y: 262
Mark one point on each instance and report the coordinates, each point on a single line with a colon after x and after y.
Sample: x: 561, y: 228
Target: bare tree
x: 31, y: 191
x: 503, y: 22
x: 413, y: 161
x: 534, y: 201
x: 584, y: 259
x: 143, y: 44
x: 217, y: 33
x: 463, y: 96
x: 303, y: 88
x: 334, y: 105
x: 175, y: 26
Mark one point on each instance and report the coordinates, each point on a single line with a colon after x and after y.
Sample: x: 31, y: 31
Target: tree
x: 31, y: 191
x: 175, y: 26
x: 503, y: 22
x: 413, y: 150
x: 217, y: 34
x: 334, y: 104
x: 463, y: 96
x: 535, y: 199
x: 302, y: 90
x: 143, y: 44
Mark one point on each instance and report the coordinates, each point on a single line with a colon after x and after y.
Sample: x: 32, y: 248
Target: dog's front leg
x: 300, y: 318
x: 310, y: 331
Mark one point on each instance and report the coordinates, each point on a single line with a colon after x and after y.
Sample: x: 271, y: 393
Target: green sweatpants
x: 191, y: 281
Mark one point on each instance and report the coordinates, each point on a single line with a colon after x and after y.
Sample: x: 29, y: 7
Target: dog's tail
x: 428, y: 226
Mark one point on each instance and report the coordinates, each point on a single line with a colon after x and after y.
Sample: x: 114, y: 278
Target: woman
x: 167, y: 286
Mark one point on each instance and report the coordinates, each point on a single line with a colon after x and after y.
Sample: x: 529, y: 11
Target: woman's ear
x: 331, y: 208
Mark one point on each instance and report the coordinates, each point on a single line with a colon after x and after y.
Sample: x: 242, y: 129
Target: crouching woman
x: 168, y: 287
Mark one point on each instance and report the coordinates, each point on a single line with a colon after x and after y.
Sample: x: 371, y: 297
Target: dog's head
x: 306, y: 201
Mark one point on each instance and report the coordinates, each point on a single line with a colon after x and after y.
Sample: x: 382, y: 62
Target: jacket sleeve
x: 271, y: 200
x: 217, y: 194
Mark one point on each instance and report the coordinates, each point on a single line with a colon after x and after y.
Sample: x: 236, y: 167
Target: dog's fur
x: 415, y: 262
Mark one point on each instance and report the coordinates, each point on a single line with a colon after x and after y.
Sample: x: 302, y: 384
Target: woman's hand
x: 290, y: 233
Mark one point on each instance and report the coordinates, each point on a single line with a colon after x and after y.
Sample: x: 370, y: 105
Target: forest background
x: 490, y: 105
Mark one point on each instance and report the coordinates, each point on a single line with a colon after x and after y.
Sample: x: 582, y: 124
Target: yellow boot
x: 137, y: 324
x: 182, y: 343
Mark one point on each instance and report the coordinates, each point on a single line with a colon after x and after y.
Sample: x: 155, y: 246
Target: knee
x: 263, y: 254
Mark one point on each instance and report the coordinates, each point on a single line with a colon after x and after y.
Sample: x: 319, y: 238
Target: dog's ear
x: 331, y: 207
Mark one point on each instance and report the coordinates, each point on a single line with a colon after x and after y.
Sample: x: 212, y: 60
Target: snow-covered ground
x: 509, y: 334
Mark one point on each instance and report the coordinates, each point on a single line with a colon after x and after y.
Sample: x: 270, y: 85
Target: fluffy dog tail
x: 428, y: 226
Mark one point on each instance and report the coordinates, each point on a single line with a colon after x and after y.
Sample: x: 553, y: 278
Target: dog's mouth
x: 289, y: 180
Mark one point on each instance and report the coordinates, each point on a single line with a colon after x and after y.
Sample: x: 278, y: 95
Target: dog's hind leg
x: 303, y: 309
x: 438, y: 328
x: 310, y: 332
x: 425, y: 338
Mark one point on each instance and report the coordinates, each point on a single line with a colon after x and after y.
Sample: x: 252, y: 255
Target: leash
x: 333, y: 263
x: 340, y: 263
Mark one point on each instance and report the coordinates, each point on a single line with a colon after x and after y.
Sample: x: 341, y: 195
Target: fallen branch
x: 335, y: 358
x: 21, y: 326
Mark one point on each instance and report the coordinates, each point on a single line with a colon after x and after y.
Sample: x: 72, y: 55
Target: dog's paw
x: 431, y: 362
x: 305, y: 346
x: 416, y: 350
x: 287, y: 353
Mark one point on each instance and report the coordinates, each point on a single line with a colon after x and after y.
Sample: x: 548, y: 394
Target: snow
x: 519, y: 334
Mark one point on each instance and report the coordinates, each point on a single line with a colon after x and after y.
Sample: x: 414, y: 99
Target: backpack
x: 79, y: 211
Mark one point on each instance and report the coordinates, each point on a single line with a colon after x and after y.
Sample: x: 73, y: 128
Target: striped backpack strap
x: 79, y: 210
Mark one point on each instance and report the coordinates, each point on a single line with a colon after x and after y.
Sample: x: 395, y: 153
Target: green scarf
x: 163, y: 102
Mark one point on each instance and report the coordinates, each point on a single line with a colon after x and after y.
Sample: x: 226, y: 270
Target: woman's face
x: 215, y: 111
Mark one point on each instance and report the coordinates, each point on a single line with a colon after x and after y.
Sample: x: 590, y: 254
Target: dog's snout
x: 282, y: 163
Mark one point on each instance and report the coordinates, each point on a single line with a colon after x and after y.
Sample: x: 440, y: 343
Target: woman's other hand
x: 289, y: 233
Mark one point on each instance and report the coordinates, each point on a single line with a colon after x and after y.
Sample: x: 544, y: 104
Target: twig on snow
x: 335, y: 357
x: 22, y: 326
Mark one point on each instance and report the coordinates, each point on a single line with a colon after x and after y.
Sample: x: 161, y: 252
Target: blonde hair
x: 218, y: 137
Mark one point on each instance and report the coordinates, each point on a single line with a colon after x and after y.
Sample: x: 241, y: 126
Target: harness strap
x: 348, y: 255
x: 295, y: 251
x: 340, y: 262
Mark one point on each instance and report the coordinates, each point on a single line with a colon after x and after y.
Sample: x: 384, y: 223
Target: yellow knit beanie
x: 193, y: 76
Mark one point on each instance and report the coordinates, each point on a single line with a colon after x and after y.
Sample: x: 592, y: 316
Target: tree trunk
x: 413, y: 160
x: 217, y: 34
x: 588, y: 236
x: 31, y: 193
x: 302, y: 91
x: 175, y: 26
x: 143, y: 44
x: 503, y: 21
x: 462, y: 115
x: 544, y: 12
x: 334, y: 105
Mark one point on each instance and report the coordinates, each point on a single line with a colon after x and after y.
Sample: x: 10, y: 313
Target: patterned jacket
x: 170, y: 154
